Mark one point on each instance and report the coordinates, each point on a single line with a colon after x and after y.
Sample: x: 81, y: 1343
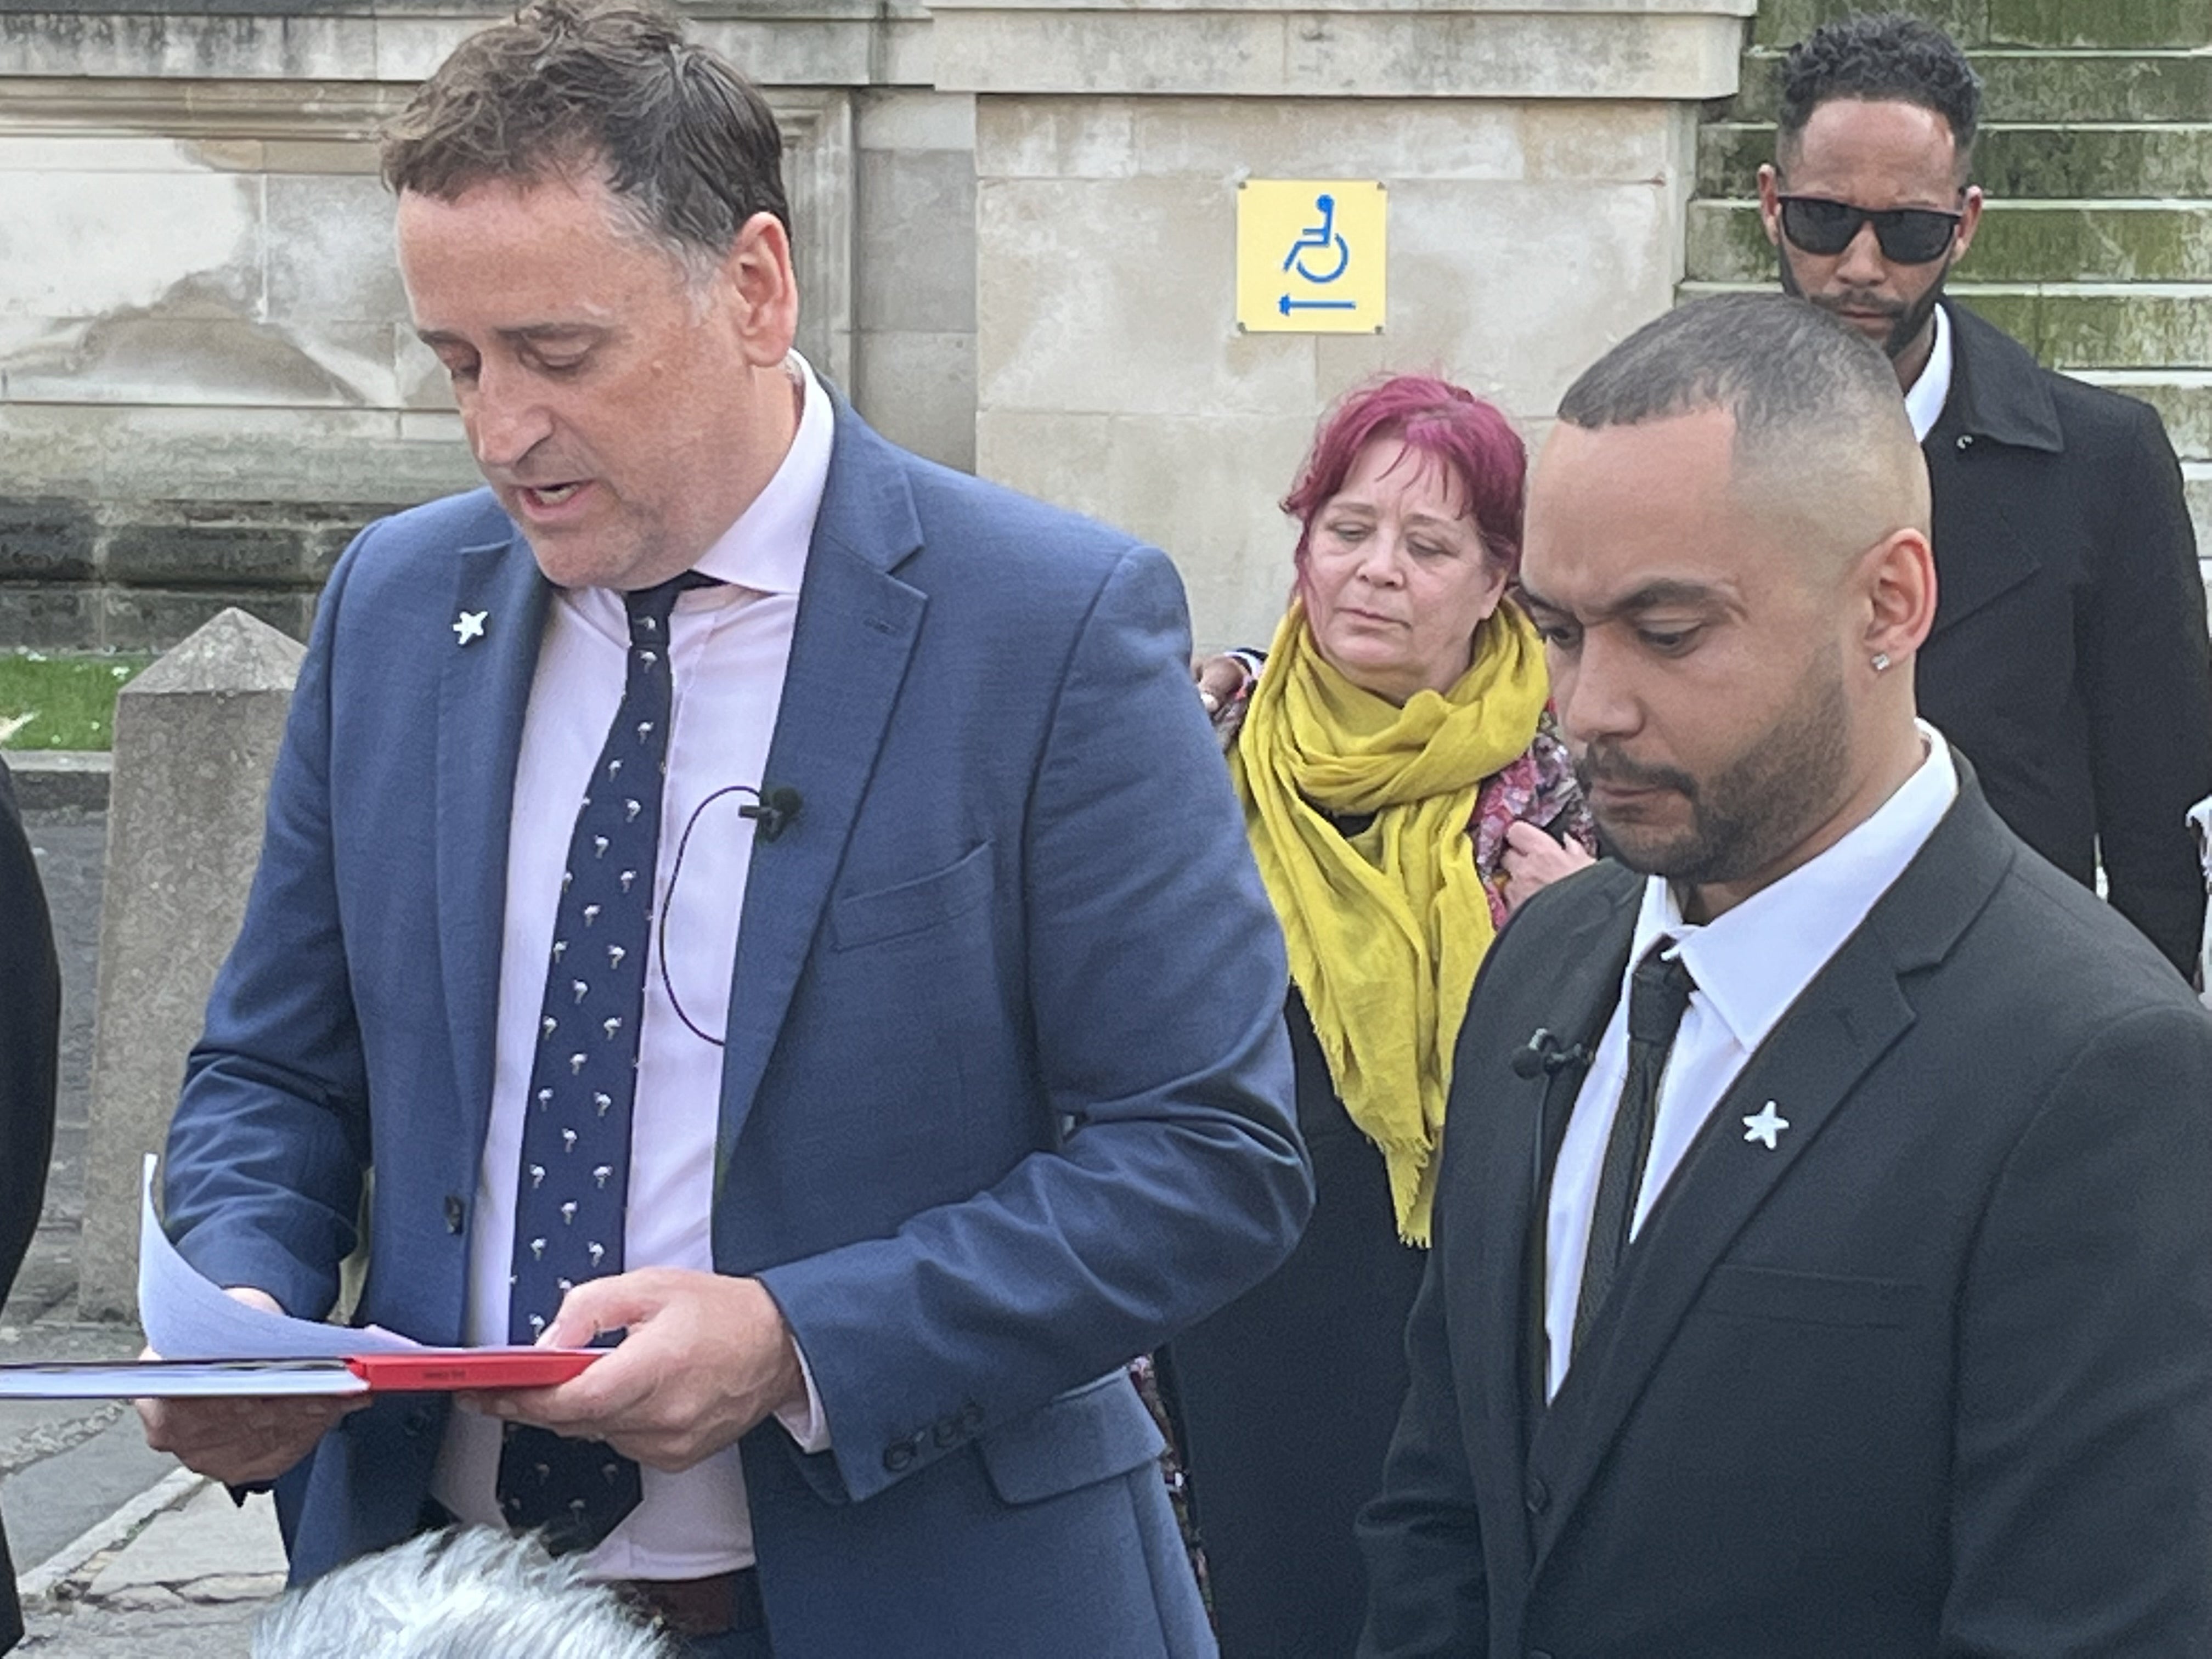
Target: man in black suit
x: 1823, y: 1261
x: 30, y: 1031
x: 2069, y: 661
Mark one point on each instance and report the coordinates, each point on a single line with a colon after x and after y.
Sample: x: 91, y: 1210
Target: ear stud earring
x: 1881, y: 662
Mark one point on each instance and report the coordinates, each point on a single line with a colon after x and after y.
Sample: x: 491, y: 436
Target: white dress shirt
x: 728, y: 648
x: 1750, y: 964
x: 1925, y: 397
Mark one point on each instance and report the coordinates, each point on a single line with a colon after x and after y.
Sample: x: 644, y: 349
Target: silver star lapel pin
x: 470, y: 625
x: 1766, y: 1126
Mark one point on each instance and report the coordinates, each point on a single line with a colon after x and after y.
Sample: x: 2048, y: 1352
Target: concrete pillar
x: 195, y: 740
x: 1539, y: 156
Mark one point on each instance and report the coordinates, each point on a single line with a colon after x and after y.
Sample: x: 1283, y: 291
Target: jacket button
x: 1966, y: 440
x: 947, y: 1432
x: 456, y: 1212
x: 971, y: 1416
x: 1537, y: 1496
x: 898, y: 1459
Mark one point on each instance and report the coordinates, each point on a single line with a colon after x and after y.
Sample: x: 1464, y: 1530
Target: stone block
x: 1684, y: 50
x: 902, y: 118
x: 2130, y: 86
x: 123, y: 453
x: 1202, y: 488
x: 206, y: 556
x: 2098, y: 23
x: 918, y: 390
x: 200, y: 44
x: 44, y: 539
x: 1784, y: 22
x: 1466, y: 300
x: 2139, y: 163
x: 914, y: 251
x: 1141, y: 321
x: 34, y: 617
x: 128, y: 245
x: 155, y: 618
x: 331, y: 254
x: 195, y: 740
x: 2018, y: 242
x: 134, y: 358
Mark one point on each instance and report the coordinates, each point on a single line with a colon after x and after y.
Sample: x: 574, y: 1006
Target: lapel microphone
x: 1545, y: 1055
x: 777, y: 806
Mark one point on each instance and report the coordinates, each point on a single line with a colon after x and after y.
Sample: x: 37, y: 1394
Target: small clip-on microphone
x: 777, y: 806
x: 1544, y: 1056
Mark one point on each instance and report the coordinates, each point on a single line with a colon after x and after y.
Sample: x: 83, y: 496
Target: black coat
x: 2069, y: 661
x: 30, y: 1023
x: 1933, y: 1376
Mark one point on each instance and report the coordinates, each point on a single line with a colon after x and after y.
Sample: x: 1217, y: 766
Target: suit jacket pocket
x: 1806, y: 1298
x: 1087, y: 1435
x: 912, y: 906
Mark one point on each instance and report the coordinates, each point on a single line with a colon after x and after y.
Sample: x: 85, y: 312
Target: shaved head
x: 1823, y: 448
x: 1726, y: 557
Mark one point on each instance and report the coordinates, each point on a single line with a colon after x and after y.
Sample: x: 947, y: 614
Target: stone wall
x: 1014, y: 231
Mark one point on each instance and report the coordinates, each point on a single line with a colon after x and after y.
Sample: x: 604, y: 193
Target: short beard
x: 1909, y: 320
x: 1760, y: 807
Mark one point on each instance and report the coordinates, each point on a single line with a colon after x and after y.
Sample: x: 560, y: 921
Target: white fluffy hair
x: 471, y: 1593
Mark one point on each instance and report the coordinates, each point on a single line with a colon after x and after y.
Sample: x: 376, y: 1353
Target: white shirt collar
x: 1752, y: 962
x: 765, y: 550
x: 1925, y: 397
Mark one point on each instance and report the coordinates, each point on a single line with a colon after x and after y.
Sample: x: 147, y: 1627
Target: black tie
x: 1658, y: 992
x: 572, y: 1198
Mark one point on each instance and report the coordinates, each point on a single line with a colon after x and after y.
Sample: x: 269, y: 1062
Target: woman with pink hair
x: 1403, y: 790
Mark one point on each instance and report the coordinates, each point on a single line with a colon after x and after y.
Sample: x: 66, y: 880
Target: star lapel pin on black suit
x: 1766, y: 1126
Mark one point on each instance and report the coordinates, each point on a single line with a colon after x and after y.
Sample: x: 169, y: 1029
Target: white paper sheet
x: 185, y: 1316
x: 178, y: 1380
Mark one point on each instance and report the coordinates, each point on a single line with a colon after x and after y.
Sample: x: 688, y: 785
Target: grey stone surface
x: 55, y: 1499
x: 195, y: 737
x: 219, y: 556
x: 47, y: 779
x: 48, y: 539
x: 916, y: 250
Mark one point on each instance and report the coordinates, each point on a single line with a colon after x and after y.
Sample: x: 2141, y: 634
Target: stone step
x: 2018, y: 242
x: 2183, y: 398
x: 2135, y: 160
x: 2073, y: 326
x: 2011, y: 23
x: 2043, y: 86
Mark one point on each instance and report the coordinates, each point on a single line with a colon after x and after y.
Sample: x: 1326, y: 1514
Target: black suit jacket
x: 30, y: 1024
x: 2069, y: 661
x: 1933, y: 1376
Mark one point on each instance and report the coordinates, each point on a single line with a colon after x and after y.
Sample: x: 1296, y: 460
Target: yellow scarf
x: 1386, y: 927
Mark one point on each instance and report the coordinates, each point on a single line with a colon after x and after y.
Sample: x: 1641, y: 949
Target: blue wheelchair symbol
x: 1322, y: 238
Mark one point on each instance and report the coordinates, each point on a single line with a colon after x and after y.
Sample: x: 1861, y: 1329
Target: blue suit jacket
x: 1005, y: 1099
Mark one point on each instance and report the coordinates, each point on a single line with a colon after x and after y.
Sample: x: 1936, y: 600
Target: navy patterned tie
x: 574, y: 1180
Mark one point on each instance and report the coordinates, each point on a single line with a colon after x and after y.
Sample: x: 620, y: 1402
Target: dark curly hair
x: 1884, y: 56
x: 687, y: 145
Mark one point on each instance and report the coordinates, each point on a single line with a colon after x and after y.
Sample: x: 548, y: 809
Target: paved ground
x: 122, y: 1554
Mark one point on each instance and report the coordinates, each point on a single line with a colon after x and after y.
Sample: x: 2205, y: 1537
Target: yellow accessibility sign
x: 1310, y: 256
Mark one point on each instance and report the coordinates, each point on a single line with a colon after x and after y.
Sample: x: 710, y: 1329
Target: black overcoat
x: 2069, y: 661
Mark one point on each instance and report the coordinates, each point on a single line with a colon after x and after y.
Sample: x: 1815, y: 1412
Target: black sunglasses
x: 1909, y: 236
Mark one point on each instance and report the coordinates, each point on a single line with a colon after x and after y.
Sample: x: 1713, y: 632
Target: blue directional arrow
x: 1287, y: 304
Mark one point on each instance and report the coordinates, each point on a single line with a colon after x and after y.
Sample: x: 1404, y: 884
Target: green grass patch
x: 55, y: 701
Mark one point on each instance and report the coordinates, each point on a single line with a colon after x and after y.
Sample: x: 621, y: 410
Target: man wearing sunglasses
x: 2069, y: 658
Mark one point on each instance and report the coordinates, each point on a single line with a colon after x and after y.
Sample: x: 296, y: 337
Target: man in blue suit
x: 685, y: 890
